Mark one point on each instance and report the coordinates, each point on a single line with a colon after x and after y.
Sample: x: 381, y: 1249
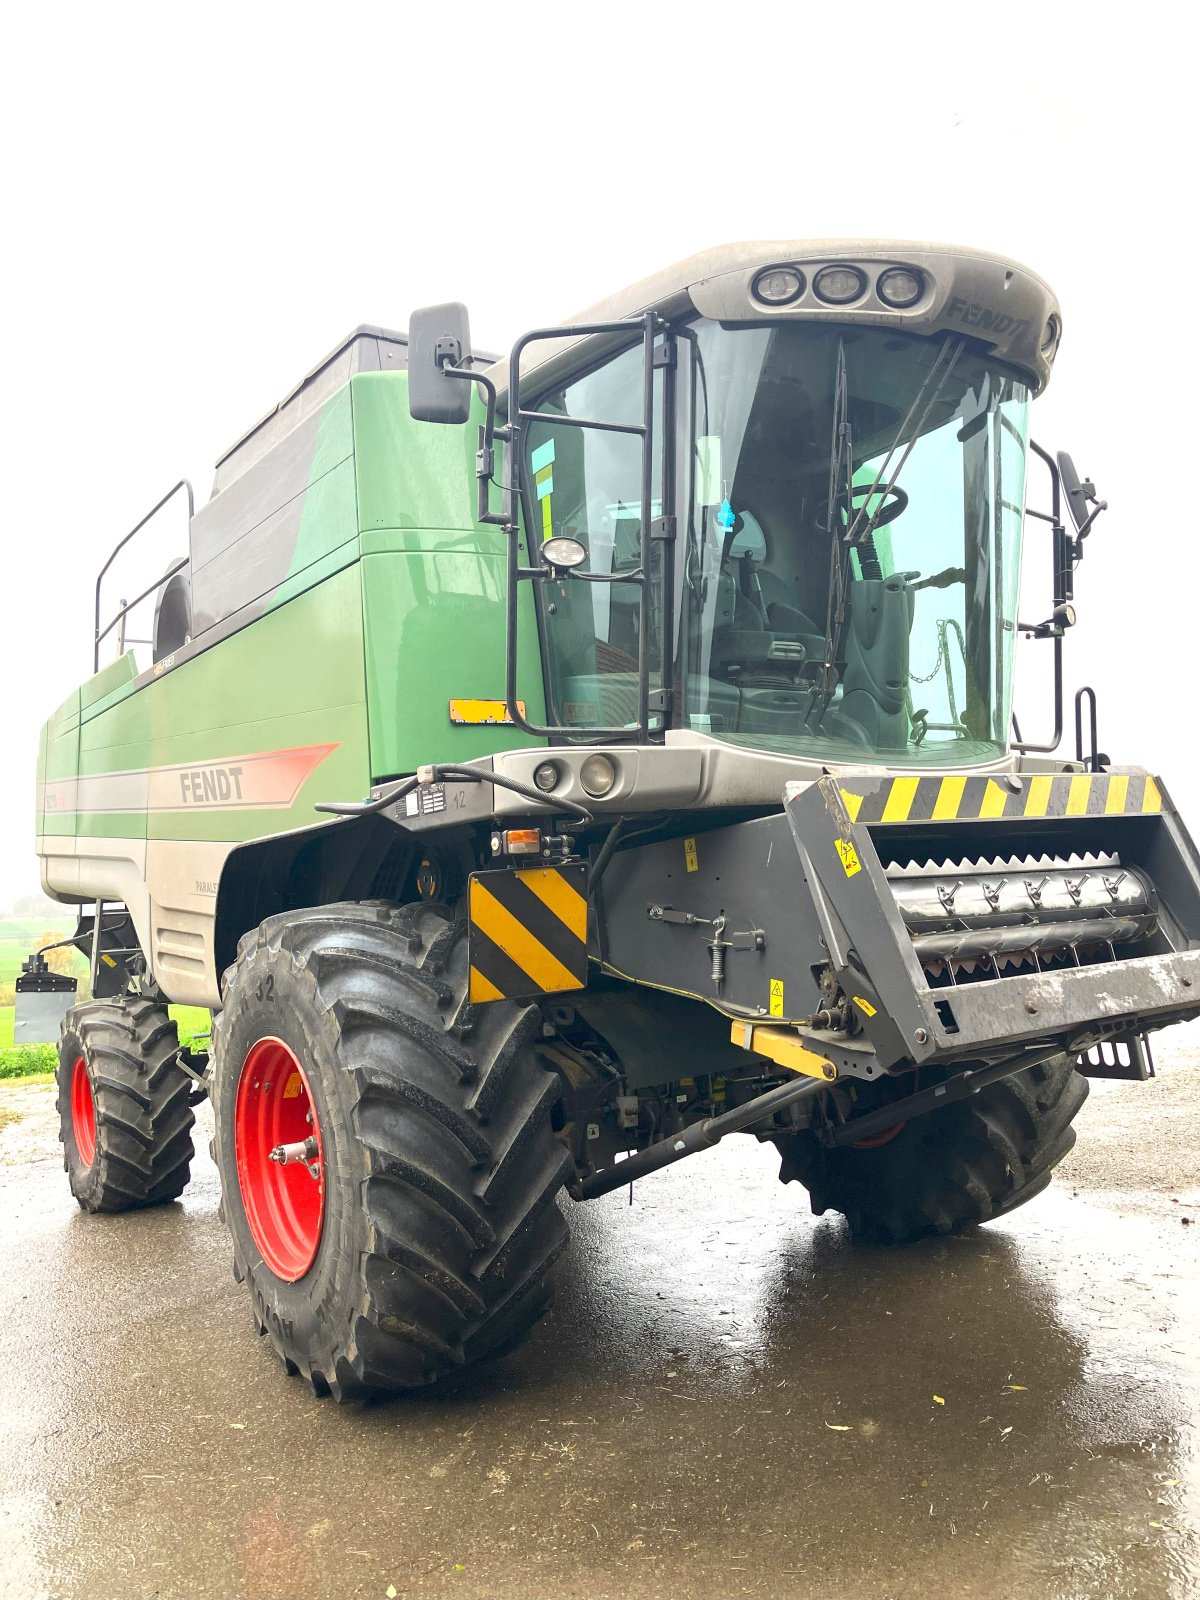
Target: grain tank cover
x: 367, y: 349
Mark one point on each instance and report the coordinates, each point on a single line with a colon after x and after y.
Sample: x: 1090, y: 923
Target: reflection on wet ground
x: 728, y: 1398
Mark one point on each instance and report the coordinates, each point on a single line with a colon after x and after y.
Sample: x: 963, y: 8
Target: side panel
x: 284, y: 513
x: 234, y: 744
x: 433, y: 587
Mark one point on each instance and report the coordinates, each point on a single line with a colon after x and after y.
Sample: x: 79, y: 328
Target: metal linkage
x: 942, y: 1094
x: 700, y: 1136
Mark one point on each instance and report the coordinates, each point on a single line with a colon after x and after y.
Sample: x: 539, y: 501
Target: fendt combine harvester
x: 545, y: 768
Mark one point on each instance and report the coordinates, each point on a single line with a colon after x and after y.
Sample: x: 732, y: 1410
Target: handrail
x: 98, y: 637
x: 128, y: 606
x: 1062, y: 573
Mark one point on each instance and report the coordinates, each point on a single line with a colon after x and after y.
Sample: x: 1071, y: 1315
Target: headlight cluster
x: 839, y: 284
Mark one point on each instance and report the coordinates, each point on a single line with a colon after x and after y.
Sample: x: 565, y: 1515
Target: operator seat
x: 872, y: 710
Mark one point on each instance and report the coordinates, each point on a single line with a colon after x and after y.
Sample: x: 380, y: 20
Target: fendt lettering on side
x: 545, y: 767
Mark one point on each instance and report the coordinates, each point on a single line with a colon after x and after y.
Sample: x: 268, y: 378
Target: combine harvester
x: 545, y: 768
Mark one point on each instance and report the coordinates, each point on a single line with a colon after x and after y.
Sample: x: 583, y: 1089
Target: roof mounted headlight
x: 837, y: 286
x: 899, y: 287
x: 778, y: 286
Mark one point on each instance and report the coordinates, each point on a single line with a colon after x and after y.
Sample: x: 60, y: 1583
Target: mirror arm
x: 1085, y: 526
x: 485, y: 455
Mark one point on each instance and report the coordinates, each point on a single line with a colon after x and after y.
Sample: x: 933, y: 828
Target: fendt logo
x: 983, y: 317
x: 210, y: 785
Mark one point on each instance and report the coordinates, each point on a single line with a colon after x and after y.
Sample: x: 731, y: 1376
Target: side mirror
x: 1078, y: 495
x: 438, y: 337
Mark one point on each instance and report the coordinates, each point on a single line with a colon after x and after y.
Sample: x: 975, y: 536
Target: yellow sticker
x: 109, y: 961
x: 776, y: 997
x: 849, y: 856
x: 468, y: 713
x: 864, y: 1006
x: 293, y: 1087
x: 691, y: 859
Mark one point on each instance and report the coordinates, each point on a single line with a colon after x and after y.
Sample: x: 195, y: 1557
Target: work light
x: 899, y: 287
x: 839, y: 285
x: 779, y: 286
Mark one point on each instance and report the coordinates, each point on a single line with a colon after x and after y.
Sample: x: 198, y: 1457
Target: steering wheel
x: 894, y: 502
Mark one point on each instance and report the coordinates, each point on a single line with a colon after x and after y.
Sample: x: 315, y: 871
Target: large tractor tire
x: 975, y: 1160
x: 125, y: 1118
x: 418, y: 1232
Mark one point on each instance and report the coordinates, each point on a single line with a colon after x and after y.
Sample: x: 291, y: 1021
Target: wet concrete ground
x: 728, y: 1399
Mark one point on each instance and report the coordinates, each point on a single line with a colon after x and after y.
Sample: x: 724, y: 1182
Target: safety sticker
x: 527, y: 932
x: 849, y: 857
x: 293, y: 1087
x: 865, y: 1006
x: 776, y: 997
x: 690, y: 858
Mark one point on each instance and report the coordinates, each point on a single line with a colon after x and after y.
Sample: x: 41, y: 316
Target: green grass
x: 27, y: 1061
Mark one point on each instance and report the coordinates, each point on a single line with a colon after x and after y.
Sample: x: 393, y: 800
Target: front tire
x: 968, y: 1163
x: 418, y: 1233
x: 125, y: 1118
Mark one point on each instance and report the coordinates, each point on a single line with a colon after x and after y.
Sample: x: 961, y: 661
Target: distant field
x: 20, y: 1060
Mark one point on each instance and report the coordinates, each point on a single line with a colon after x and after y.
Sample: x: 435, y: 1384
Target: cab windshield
x: 844, y: 579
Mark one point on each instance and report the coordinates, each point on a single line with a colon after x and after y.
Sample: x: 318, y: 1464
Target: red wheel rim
x: 83, y: 1112
x: 284, y: 1203
x: 876, y: 1140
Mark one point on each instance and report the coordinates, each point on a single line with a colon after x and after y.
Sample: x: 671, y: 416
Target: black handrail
x: 1062, y: 588
x: 649, y: 325
x: 98, y: 637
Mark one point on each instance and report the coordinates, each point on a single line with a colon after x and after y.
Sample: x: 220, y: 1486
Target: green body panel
x: 59, y: 758
x: 367, y: 601
x: 433, y: 587
x: 291, y: 680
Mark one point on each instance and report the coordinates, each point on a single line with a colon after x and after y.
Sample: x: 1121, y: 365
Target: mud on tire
x: 124, y: 1115
x: 972, y: 1161
x: 439, y: 1166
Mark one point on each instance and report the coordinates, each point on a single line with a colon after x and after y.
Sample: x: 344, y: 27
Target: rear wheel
x: 124, y: 1115
x: 388, y: 1165
x: 976, y: 1159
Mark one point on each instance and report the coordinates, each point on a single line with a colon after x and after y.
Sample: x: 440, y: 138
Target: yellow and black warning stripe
x: 965, y: 799
x: 527, y: 932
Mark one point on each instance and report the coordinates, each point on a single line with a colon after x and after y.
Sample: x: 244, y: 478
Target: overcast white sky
x: 200, y: 200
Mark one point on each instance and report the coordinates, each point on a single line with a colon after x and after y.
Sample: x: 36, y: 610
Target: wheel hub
x: 280, y: 1161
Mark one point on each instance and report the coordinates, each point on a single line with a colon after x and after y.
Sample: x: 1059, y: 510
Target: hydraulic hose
x: 439, y: 774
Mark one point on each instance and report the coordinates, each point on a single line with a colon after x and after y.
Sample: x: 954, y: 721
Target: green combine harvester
x: 544, y: 768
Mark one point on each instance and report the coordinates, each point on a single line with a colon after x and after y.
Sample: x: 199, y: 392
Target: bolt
x: 920, y: 1035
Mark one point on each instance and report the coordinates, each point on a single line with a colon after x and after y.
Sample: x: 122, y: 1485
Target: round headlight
x: 837, y: 286
x: 779, y: 286
x: 1050, y: 336
x: 597, y: 775
x: 899, y: 287
x: 562, y: 552
x: 545, y: 775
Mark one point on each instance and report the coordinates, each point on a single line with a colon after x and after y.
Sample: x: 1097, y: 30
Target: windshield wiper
x: 906, y: 430
x: 841, y: 475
